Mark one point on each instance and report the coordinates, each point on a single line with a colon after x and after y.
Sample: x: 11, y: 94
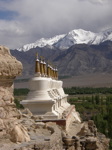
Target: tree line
x: 88, y: 90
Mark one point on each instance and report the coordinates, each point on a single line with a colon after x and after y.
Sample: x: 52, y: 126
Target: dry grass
x: 90, y: 80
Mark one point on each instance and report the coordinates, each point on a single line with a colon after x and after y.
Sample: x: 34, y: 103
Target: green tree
x: 110, y: 121
x: 97, y: 99
x: 18, y: 105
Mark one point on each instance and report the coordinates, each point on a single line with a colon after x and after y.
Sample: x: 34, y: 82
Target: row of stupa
x: 44, y: 69
x: 46, y: 97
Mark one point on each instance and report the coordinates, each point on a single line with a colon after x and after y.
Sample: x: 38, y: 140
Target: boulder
x: 19, y: 134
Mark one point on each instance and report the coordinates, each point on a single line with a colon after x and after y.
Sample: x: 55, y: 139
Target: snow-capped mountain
x: 65, y: 41
x: 41, y: 43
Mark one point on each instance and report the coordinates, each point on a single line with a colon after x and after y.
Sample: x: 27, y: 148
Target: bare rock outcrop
x: 10, y: 67
x: 83, y: 136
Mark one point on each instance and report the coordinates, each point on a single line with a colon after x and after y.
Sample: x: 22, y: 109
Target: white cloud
x: 97, y: 1
x: 41, y: 18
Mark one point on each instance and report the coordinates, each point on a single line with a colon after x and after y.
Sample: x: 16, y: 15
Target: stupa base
x: 41, y: 108
x: 64, y: 120
x: 48, y: 109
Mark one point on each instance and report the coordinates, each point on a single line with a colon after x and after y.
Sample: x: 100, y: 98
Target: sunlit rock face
x: 10, y: 67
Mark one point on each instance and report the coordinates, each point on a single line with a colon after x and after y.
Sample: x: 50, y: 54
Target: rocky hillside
x: 79, y: 59
x: 84, y: 59
x: 21, y: 130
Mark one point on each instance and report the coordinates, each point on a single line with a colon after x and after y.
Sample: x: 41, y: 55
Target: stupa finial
x: 48, y: 69
x: 37, y: 66
x: 56, y: 73
x: 41, y: 66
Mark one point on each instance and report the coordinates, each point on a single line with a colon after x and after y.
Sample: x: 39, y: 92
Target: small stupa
x: 46, y: 97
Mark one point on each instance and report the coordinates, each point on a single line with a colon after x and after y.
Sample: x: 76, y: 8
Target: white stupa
x: 46, y: 97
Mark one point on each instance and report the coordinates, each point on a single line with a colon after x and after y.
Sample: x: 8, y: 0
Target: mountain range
x: 78, y: 52
x: 65, y: 41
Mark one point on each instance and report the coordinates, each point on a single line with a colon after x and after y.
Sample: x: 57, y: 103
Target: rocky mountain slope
x: 79, y: 59
x: 65, y: 41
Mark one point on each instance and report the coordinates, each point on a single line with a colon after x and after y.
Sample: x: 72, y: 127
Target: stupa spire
x: 37, y: 66
x: 56, y: 73
x: 48, y: 70
x: 42, y: 67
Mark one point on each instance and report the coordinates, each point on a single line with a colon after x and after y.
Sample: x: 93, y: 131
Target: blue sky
x: 25, y: 21
x: 7, y: 15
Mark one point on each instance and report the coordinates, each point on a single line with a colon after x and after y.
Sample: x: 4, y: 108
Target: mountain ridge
x: 65, y: 41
